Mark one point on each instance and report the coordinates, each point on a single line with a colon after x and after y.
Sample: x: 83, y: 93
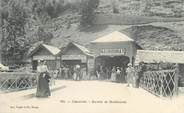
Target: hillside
x: 154, y: 24
x: 161, y: 8
x: 162, y: 35
x: 153, y: 35
x: 150, y: 36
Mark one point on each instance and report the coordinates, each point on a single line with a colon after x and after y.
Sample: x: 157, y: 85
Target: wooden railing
x: 163, y: 83
x: 16, y: 81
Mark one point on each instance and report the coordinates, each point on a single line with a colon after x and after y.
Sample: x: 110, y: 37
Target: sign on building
x: 74, y: 57
x: 113, y: 51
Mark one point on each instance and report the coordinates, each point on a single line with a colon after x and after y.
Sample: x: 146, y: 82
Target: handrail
x: 17, y: 81
x: 161, y: 83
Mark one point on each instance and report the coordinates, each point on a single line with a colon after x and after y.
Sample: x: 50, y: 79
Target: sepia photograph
x: 91, y: 56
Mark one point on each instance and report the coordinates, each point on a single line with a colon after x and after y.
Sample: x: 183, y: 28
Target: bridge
x: 89, y: 97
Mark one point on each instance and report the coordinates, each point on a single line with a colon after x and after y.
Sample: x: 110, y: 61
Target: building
x: 150, y: 56
x: 76, y: 54
x: 114, y: 49
x: 48, y: 53
x: 156, y: 57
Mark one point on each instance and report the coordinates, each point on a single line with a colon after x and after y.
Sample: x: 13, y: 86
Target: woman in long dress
x: 130, y: 74
x: 113, y: 74
x: 118, y: 74
x: 43, y: 89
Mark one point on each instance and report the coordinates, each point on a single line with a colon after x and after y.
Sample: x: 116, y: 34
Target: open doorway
x: 104, y: 65
x: 70, y: 66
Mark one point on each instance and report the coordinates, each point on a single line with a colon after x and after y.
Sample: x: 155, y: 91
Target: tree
x: 115, y: 6
x: 88, y: 12
x: 44, y: 36
x: 14, y: 41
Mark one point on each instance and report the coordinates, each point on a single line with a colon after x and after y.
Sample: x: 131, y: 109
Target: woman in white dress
x: 113, y: 74
x: 130, y: 74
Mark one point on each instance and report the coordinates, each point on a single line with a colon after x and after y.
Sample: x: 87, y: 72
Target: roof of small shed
x: 150, y: 56
x: 80, y: 47
x: 53, y: 50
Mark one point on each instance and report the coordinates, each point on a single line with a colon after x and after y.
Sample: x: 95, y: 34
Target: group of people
x: 74, y: 72
x: 116, y: 74
x: 111, y: 73
x: 44, y: 77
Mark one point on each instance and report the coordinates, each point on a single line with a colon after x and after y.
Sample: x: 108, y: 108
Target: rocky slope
x: 156, y: 35
x: 162, y: 8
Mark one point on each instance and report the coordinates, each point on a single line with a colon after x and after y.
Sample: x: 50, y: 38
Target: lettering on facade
x: 121, y: 51
x: 74, y: 57
x: 44, y: 57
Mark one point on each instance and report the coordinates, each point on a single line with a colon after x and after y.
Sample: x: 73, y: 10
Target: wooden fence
x: 163, y: 83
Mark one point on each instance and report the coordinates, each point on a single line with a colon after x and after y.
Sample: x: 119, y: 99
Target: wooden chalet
x: 74, y: 54
x: 114, y: 49
x: 48, y: 53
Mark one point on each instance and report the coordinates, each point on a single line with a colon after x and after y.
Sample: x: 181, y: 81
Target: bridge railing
x: 16, y: 81
x: 161, y: 83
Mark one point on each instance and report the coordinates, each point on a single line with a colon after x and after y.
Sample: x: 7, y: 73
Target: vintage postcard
x: 91, y: 56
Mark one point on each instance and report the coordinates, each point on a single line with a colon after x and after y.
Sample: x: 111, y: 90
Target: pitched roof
x: 82, y: 48
x: 150, y: 56
x: 115, y: 36
x: 53, y: 50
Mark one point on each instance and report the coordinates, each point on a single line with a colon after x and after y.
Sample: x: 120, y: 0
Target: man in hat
x: 130, y: 73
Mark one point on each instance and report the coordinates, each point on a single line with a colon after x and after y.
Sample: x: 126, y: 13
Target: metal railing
x: 16, y: 81
x: 163, y: 83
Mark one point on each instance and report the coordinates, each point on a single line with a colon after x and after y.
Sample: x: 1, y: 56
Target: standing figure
x: 66, y: 69
x: 113, y: 74
x: 107, y: 72
x: 118, y: 74
x: 122, y: 74
x: 101, y: 72
x: 61, y: 72
x: 130, y: 73
x: 83, y: 74
x: 74, y: 73
x: 43, y: 89
x: 78, y: 72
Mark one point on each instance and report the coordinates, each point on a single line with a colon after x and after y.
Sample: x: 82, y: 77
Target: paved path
x: 89, y: 97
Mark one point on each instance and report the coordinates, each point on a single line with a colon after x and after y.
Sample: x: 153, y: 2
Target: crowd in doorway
x: 75, y: 72
x: 114, y: 74
x: 118, y: 74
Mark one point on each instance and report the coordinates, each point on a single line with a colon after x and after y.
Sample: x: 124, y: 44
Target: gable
x: 42, y: 51
x: 72, y: 50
